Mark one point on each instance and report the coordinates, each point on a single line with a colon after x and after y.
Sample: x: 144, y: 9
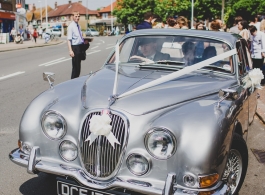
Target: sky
x: 92, y: 4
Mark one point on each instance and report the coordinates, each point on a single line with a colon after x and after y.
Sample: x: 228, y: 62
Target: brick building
x: 62, y: 14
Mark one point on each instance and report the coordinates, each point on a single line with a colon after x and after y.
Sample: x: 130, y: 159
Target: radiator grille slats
x: 100, y: 159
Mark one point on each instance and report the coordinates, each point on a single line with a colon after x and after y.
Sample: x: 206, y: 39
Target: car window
x: 243, y: 56
x: 187, y: 51
x: 92, y: 29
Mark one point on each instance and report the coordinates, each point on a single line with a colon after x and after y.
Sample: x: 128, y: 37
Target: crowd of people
x: 29, y: 34
x: 252, y: 31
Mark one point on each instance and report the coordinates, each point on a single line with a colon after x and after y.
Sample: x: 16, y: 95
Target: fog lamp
x: 68, y: 150
x: 137, y: 164
x: 26, y: 148
x: 189, y: 180
x: 208, y: 180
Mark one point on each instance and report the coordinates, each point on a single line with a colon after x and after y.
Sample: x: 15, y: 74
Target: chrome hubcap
x: 233, y: 170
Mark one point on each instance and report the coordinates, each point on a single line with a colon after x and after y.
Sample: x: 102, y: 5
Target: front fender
x: 203, y: 132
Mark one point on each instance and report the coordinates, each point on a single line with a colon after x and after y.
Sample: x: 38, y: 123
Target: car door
x: 252, y: 100
x: 250, y: 97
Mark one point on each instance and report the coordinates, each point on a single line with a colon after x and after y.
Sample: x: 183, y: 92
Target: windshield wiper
x: 214, y: 68
x: 160, y: 66
x: 170, y: 62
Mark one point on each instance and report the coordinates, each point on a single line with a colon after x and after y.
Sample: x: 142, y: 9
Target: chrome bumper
x: 34, y: 164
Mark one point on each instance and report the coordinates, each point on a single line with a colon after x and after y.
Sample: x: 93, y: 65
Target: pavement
x: 261, y: 105
x: 28, y: 44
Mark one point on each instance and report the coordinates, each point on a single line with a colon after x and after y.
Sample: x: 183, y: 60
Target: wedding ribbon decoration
x: 179, y: 73
x: 117, y: 59
x: 100, y: 125
x: 252, y: 79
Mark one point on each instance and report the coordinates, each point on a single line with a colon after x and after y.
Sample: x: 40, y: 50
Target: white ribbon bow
x: 100, y: 125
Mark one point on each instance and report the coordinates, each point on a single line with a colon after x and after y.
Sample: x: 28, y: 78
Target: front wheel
x: 237, y: 163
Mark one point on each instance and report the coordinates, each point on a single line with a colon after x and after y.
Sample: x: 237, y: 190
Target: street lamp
x: 111, y: 15
x: 40, y: 14
x: 86, y: 14
x: 192, y: 7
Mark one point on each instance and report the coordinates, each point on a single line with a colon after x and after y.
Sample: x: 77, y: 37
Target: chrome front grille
x: 100, y: 159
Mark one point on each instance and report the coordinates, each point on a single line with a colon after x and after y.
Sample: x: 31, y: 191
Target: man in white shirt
x: 257, y: 49
x: 75, y: 44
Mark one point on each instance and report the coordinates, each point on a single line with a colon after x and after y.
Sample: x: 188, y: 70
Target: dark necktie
x: 80, y: 33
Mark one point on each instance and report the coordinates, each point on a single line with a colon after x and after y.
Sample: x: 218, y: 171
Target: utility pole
x: 111, y: 16
x: 223, y: 8
x: 46, y: 15
x: 86, y: 14
x: 40, y: 14
x: 192, y: 7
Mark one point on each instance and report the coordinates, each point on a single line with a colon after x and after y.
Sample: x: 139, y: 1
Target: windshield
x: 174, y: 50
x: 92, y: 29
x: 56, y: 30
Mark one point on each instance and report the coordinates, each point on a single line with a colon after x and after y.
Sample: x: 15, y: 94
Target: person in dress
x: 35, y: 35
x: 243, y: 27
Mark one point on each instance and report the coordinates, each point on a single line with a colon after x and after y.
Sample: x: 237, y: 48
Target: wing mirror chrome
x: 229, y: 94
x: 50, y: 77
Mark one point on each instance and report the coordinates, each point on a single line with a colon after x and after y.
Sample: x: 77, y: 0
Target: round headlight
x: 68, y: 150
x: 160, y: 143
x: 137, y: 164
x: 53, y: 125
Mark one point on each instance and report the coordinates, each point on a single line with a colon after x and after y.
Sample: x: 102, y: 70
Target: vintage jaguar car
x: 168, y: 113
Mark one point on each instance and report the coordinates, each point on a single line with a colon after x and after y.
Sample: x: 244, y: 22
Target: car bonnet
x: 99, y: 88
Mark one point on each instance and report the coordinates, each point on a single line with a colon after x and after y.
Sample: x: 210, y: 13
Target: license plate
x: 70, y: 189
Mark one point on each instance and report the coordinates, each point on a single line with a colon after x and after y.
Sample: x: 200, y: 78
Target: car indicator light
x: 208, y: 180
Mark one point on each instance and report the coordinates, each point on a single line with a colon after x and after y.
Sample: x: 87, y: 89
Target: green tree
x: 246, y: 8
x: 165, y: 8
x: 132, y: 11
x: 207, y: 9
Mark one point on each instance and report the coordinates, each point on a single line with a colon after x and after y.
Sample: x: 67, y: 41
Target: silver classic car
x: 168, y: 113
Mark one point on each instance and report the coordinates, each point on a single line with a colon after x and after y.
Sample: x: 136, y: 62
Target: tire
x: 237, y: 162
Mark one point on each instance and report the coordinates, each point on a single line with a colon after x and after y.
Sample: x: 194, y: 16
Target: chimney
x: 80, y: 2
x: 55, y: 5
x: 69, y: 2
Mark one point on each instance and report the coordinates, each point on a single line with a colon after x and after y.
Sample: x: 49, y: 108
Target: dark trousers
x: 76, y: 61
x: 258, y: 63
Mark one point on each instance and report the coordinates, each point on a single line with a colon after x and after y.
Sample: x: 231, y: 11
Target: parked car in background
x: 57, y: 32
x: 91, y: 32
x: 157, y: 120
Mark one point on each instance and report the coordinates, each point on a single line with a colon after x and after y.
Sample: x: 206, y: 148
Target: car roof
x: 229, y: 38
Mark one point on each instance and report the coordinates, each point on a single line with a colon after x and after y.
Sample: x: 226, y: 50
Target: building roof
x: 68, y: 9
x: 108, y: 8
x: 36, y: 14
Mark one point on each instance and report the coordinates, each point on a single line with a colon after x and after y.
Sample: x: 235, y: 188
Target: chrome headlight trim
x: 60, y: 151
x: 133, y: 172
x: 45, y: 115
x: 166, y: 131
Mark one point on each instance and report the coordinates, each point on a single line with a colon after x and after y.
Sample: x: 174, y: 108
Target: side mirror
x: 229, y: 94
x: 50, y: 77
